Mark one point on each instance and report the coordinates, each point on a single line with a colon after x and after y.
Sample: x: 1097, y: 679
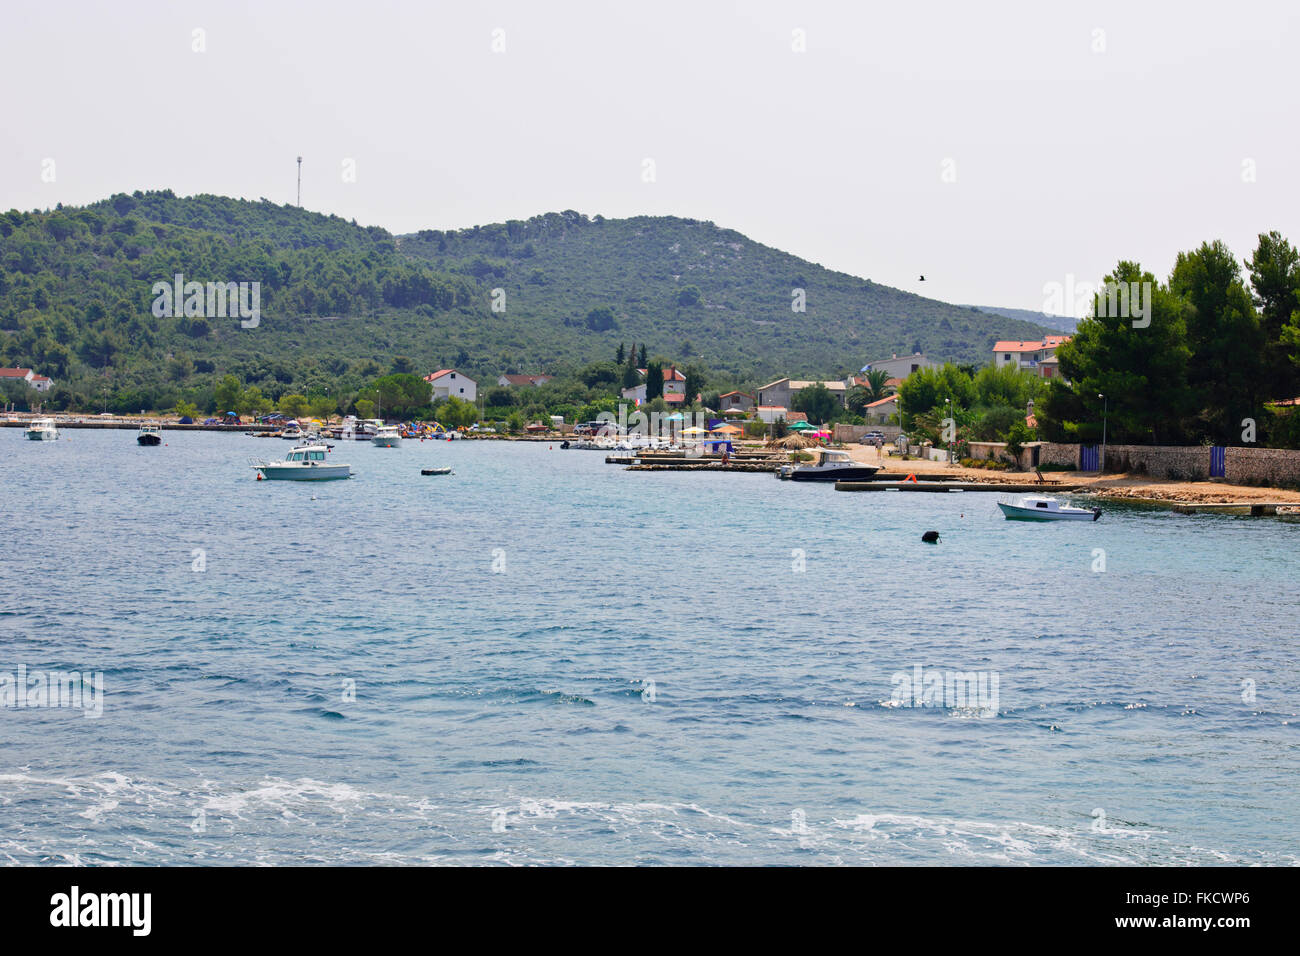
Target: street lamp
x: 1105, y: 408
x: 949, y: 426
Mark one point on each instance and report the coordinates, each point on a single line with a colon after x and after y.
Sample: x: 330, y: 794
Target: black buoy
x: 930, y: 537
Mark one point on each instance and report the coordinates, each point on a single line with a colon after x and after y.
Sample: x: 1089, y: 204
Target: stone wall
x: 1262, y: 466
x: 1243, y: 466
x: 851, y: 433
x: 1059, y: 453
x: 1182, y: 463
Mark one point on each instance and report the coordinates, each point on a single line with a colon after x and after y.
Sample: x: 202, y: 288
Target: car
x: 870, y: 438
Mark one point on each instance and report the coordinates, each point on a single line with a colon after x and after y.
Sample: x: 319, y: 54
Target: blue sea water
x: 401, y: 669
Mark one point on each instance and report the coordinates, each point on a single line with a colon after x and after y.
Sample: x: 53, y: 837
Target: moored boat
x: 42, y: 429
x: 832, y: 465
x: 1043, y: 508
x: 303, y: 463
x: 149, y: 434
x: 387, y: 436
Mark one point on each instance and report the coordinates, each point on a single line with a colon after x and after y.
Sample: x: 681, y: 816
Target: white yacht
x: 149, y: 434
x: 1041, y: 508
x: 42, y: 429
x: 303, y: 463
x: 387, y: 436
x: 832, y: 465
x: 291, y: 431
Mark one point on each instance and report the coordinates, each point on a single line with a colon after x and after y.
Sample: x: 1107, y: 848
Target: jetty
x: 759, y: 467
x: 946, y: 486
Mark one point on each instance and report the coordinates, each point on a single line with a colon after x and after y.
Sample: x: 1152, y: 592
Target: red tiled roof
x: 670, y: 374
x: 796, y: 417
x: 673, y: 398
x: 15, y: 372
x: 445, y: 371
x: 891, y: 398
x: 729, y: 394
x: 1050, y: 342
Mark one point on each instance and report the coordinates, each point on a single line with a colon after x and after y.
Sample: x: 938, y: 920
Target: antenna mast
x: 299, y: 182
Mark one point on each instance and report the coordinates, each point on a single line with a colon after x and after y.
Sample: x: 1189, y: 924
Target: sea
x: 546, y: 659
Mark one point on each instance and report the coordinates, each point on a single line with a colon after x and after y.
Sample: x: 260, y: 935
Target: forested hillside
x: 342, y: 303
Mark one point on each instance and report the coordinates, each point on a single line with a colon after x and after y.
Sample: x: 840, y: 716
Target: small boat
x: 303, y: 463
x: 435, y: 471
x: 387, y: 436
x: 42, y: 429
x: 292, y: 431
x: 149, y: 435
x: 833, y: 465
x: 1041, y: 508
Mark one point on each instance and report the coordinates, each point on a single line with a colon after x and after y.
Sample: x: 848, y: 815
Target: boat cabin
x: 306, y: 455
x: 834, y: 456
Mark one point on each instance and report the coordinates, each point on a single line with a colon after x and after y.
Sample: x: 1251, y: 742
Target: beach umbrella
x: 728, y: 430
x: 695, y: 431
x: 800, y: 427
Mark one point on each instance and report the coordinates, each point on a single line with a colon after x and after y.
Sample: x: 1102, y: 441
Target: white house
x: 39, y: 382
x: 900, y: 366
x: 1036, y: 357
x: 448, y: 383
x: 674, y: 387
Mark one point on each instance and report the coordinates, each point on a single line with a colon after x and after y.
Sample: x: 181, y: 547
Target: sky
x: 1002, y: 150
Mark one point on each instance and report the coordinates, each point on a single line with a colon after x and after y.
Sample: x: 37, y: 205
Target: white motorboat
x: 149, y: 434
x: 42, y: 429
x: 387, y: 436
x: 303, y: 463
x: 832, y: 465
x: 1042, y: 508
x: 292, y: 431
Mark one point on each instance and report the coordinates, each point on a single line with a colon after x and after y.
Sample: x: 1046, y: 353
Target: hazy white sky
x: 1077, y: 134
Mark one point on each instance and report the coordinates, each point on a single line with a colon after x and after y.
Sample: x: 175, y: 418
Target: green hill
x: 341, y: 303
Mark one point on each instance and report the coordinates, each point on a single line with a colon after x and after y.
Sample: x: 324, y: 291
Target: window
x: 298, y: 457
x: 1042, y: 504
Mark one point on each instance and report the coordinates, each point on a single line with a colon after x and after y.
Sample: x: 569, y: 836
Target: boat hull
x: 149, y: 440
x: 42, y: 435
x: 832, y: 474
x: 309, y: 472
x: 1017, y: 513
